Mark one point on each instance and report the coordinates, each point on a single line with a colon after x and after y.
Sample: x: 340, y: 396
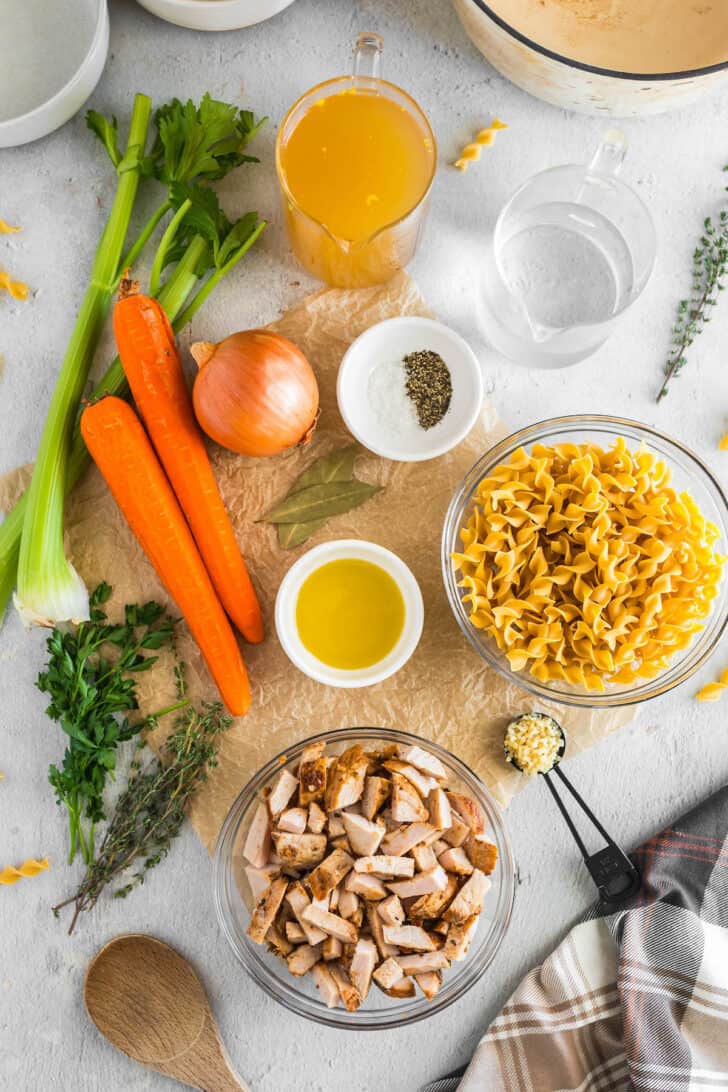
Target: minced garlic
x: 532, y: 743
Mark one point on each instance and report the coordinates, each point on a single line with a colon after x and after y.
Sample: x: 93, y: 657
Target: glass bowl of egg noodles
x: 584, y: 558
x: 236, y: 880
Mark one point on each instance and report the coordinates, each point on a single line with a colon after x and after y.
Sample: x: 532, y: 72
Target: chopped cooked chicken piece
x: 458, y: 831
x: 336, y: 826
x: 435, y: 879
x: 363, y: 962
x: 376, y: 792
x: 349, y: 993
x: 316, y: 818
x: 388, y: 973
x: 439, y: 808
x: 345, y: 782
x: 303, y: 959
x: 390, y: 824
x: 364, y: 836
x: 293, y: 820
x: 424, y: 857
x: 299, y: 850
x: 469, y: 899
x: 401, y: 841
x: 257, y: 844
x: 295, y: 933
x: 332, y: 949
x: 331, y: 924
x: 277, y: 941
x: 348, y: 903
x: 357, y: 917
x: 259, y: 880
x: 403, y: 987
x: 352, y: 809
x: 430, y: 983
x: 468, y: 811
x: 408, y: 936
x: 312, y: 774
x: 334, y: 897
x: 441, y: 928
x: 456, y: 860
x: 418, y: 964
x: 391, y: 911
x: 431, y: 906
x: 329, y: 873
x: 421, y: 782
x: 407, y: 806
x: 341, y: 843
x: 369, y: 887
x: 482, y: 853
x: 298, y: 900
x: 458, y: 939
x: 326, y: 985
x: 423, y: 760
x: 439, y: 846
x: 385, y: 867
x: 376, y: 928
x: 264, y: 914
x: 283, y: 789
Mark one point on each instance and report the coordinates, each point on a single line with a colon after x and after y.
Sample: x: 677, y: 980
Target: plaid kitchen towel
x: 636, y: 1001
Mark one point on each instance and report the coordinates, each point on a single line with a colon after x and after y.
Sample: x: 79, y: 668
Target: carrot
x: 149, y: 356
x: 119, y: 446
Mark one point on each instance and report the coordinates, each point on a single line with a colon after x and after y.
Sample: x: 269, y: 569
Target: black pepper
x: 429, y: 386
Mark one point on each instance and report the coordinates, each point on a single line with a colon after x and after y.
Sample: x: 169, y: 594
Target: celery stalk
x: 173, y: 297
x: 49, y: 588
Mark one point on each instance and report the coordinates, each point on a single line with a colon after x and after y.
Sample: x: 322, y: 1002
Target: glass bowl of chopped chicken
x: 364, y: 878
x: 584, y: 558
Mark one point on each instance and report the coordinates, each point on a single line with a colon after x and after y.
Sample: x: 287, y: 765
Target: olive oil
x: 350, y: 614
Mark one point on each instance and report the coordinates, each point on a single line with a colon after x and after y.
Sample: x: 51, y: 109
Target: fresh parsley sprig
x: 151, y: 809
x: 710, y: 266
x: 91, y: 680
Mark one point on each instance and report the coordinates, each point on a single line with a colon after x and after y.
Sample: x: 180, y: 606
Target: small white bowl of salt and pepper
x: 410, y: 389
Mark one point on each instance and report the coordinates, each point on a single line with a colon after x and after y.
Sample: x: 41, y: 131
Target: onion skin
x: 255, y: 393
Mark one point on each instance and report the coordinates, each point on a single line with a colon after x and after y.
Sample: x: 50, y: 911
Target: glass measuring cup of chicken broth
x: 355, y: 158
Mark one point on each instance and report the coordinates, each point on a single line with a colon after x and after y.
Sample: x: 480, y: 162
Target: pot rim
x: 596, y: 69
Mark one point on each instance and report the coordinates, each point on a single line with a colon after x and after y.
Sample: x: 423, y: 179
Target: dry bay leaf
x: 291, y: 535
x: 338, y: 466
x: 321, y: 502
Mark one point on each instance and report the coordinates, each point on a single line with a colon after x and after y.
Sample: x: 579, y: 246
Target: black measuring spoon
x: 615, y: 876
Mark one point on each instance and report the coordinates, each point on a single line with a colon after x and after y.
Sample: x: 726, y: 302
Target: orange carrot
x: 121, y: 449
x: 149, y: 356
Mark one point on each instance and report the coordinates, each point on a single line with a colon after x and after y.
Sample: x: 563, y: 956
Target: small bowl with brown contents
x: 365, y: 878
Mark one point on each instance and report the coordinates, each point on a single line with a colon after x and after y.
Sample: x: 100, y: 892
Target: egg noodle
x: 585, y: 566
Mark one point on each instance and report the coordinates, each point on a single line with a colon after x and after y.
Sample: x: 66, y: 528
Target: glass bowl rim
x: 420, y: 1008
x: 538, y: 432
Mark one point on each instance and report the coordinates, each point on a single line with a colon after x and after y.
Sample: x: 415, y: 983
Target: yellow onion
x: 255, y: 393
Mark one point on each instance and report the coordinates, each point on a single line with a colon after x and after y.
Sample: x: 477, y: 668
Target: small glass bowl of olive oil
x: 349, y: 613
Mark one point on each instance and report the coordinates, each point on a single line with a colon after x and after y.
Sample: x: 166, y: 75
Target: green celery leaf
x: 107, y: 132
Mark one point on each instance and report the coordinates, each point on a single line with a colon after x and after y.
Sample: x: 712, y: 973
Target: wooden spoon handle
x: 205, y: 1063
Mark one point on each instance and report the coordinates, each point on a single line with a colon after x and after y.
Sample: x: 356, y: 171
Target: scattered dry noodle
x: 17, y: 289
x: 31, y: 867
x: 484, y: 139
x: 8, y: 229
x: 713, y: 691
x: 585, y: 566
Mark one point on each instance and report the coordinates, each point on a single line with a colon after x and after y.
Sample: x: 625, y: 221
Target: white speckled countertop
x: 672, y: 756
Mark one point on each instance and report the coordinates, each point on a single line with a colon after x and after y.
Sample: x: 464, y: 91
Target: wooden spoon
x: 149, y: 1003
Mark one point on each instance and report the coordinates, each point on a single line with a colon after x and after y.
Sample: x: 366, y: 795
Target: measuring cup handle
x: 609, y: 156
x: 368, y: 56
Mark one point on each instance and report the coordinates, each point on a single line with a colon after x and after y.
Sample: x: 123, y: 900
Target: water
x: 566, y: 265
x: 42, y: 44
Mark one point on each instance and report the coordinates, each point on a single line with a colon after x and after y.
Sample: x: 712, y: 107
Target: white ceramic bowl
x: 215, y: 14
x: 285, y: 613
x: 66, y: 99
x: 392, y: 340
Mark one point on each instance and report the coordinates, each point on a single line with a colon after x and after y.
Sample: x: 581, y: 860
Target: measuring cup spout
x: 609, y: 156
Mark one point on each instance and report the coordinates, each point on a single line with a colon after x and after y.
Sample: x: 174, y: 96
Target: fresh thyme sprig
x: 91, y: 681
x: 710, y: 265
x: 153, y: 806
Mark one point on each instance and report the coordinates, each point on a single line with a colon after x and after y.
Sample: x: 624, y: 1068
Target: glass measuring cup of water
x: 572, y: 250
x: 355, y: 158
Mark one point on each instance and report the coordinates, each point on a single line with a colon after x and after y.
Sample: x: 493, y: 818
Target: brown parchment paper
x: 444, y: 693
